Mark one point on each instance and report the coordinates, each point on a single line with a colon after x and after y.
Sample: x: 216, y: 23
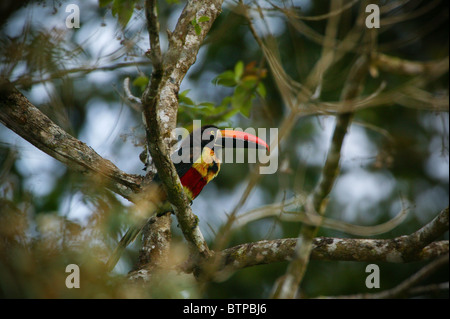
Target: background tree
x: 362, y: 147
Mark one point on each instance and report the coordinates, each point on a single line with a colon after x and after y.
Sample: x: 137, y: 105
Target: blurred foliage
x: 248, y: 86
x: 71, y: 72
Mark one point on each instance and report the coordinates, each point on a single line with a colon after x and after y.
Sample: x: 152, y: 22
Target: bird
x: 197, y: 163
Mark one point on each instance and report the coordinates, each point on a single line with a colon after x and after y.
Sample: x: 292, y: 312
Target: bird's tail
x: 127, y: 239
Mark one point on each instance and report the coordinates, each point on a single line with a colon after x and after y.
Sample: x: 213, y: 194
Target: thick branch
x: 329, y: 249
x: 19, y: 115
x: 155, y: 248
x: 160, y: 104
x: 431, y: 231
x: 415, y: 247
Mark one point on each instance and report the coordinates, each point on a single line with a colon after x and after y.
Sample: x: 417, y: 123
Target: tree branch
x: 428, y: 289
x: 287, y: 285
x: 160, y: 104
x: 404, y: 288
x: 19, y: 115
x: 403, y: 249
x: 151, y: 14
x: 155, y: 248
x: 328, y: 249
x: 24, y: 81
x: 400, y: 66
x: 135, y: 102
x: 430, y: 232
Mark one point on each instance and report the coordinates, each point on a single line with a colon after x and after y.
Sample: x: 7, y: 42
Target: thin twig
x: 404, y: 288
x: 331, y: 14
x: 25, y: 81
x: 286, y: 287
x: 299, y: 215
x: 160, y: 104
x: 400, y: 66
x: 151, y: 14
x: 135, y: 102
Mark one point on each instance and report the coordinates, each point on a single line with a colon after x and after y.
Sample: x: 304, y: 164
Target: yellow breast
x: 208, y: 165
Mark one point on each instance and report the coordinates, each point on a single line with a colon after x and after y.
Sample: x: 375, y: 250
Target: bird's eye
x: 212, y: 133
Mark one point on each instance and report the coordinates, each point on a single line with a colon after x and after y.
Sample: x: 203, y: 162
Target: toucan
x: 197, y: 163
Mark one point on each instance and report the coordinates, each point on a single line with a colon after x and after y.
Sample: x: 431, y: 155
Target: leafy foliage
x: 247, y: 84
x: 196, y: 24
x: 122, y: 9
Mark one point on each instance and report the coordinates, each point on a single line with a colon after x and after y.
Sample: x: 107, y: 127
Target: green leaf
x: 242, y: 100
x: 239, y: 97
x: 186, y: 101
x: 208, y: 105
x: 226, y: 78
x: 226, y: 101
x: 141, y: 82
x: 250, y: 83
x: 261, y: 89
x: 198, y: 29
x: 238, y: 70
x: 123, y: 9
x: 203, y: 19
x: 104, y: 3
x: 246, y: 108
x: 184, y: 93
